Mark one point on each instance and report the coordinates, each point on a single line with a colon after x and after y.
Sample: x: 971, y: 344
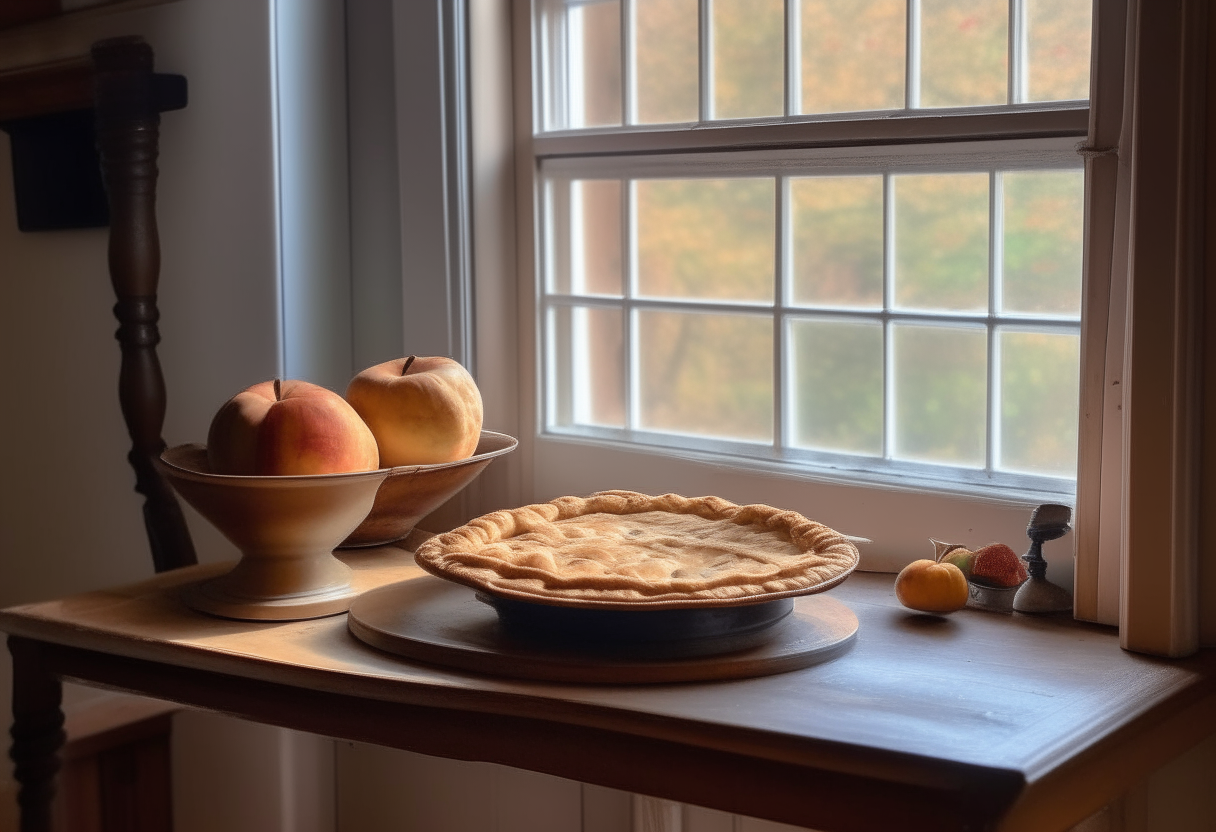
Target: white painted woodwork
x: 381, y: 789
x: 606, y: 810
x: 375, y: 212
x: 700, y: 819
x: 428, y: 274
x: 880, y: 128
x: 312, y: 190
x: 1160, y: 558
x: 1099, y: 480
x: 235, y: 775
x: 899, y: 523
x: 653, y: 814
x: 492, y: 171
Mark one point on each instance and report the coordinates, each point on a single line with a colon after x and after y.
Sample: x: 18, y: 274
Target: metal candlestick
x: 1039, y: 595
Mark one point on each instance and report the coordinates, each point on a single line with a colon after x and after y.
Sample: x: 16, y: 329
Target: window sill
x: 846, y: 130
x: 1014, y: 489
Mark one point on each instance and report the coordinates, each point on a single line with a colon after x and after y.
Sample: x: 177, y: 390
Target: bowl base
x: 215, y: 598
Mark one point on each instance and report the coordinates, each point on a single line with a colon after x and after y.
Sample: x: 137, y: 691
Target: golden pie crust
x: 625, y: 550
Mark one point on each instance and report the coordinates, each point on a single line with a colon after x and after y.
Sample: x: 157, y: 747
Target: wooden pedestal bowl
x: 411, y: 492
x: 286, y: 529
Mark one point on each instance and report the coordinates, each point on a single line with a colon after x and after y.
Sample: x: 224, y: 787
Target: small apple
x: 421, y: 409
x: 961, y: 557
x: 280, y: 428
x: 929, y: 586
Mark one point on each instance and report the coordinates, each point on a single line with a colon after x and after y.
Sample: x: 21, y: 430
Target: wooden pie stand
x: 438, y: 622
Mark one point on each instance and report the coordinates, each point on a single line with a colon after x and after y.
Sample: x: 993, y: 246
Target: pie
x: 625, y: 550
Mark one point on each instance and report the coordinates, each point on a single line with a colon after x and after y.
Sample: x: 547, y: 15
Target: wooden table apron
x: 971, y: 722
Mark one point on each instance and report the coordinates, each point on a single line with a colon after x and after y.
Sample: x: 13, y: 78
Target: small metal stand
x: 1039, y: 595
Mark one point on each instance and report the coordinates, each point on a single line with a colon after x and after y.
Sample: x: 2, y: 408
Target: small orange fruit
x: 929, y: 586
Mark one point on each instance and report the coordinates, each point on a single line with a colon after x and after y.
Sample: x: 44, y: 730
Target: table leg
x: 37, y: 733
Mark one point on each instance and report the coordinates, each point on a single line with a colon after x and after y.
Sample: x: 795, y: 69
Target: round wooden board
x: 439, y: 622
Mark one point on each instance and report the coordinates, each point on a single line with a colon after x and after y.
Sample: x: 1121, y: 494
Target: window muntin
x: 850, y: 354
x: 918, y: 283
x: 612, y: 63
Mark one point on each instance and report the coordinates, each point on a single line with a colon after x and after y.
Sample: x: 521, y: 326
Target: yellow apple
x: 421, y: 409
x: 280, y: 428
x: 929, y: 586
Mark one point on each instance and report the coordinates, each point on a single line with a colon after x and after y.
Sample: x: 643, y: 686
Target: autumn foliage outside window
x: 874, y: 311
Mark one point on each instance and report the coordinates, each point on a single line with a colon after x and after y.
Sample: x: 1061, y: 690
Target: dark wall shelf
x: 48, y: 112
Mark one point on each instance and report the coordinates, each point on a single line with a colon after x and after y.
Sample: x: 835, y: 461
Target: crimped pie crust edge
x: 826, y: 557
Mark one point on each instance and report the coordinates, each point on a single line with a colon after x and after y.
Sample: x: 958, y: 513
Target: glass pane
x: 595, y: 223
x: 853, y: 55
x: 706, y: 238
x: 838, y: 227
x: 941, y: 394
x: 838, y: 383
x: 941, y: 241
x: 595, y: 64
x: 666, y: 44
x: 710, y: 375
x: 587, y: 361
x: 748, y: 58
x: 1057, y: 49
x: 1040, y: 394
x: 1044, y: 228
x: 964, y: 52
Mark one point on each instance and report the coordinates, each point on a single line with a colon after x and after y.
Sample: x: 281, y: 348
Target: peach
x: 929, y: 586
x: 421, y: 409
x: 280, y: 428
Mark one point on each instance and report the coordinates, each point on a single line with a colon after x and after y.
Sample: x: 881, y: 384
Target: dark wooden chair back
x: 129, y: 98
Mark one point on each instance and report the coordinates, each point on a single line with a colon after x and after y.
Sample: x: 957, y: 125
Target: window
x: 826, y: 237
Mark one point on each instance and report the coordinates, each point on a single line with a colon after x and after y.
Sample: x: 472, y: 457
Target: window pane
x: 838, y: 230
x: 748, y: 58
x: 710, y: 375
x: 711, y: 239
x: 587, y: 360
x: 853, y: 55
x: 1057, y: 47
x: 1040, y: 393
x: 941, y: 394
x: 964, y: 52
x: 596, y: 247
x: 941, y: 241
x: 838, y: 385
x: 667, y: 85
x: 595, y: 64
x: 1044, y: 227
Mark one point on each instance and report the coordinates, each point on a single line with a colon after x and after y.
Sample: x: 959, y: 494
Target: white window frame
x: 898, y: 517
x: 779, y: 455
x: 1139, y: 529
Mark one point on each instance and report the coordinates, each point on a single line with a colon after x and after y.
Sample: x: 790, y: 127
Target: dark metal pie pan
x: 685, y: 632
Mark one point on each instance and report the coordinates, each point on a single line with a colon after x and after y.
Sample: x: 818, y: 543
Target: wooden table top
x: 932, y: 722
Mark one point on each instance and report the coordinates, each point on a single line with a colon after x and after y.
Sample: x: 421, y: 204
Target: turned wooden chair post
x: 128, y: 129
x: 127, y: 99
x: 37, y: 734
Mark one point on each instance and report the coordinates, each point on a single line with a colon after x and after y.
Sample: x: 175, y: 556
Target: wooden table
x: 973, y: 721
